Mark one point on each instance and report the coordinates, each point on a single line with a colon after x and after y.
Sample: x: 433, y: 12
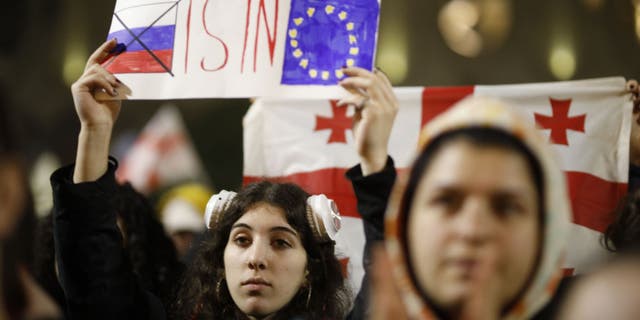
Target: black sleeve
x: 94, y: 270
x: 372, y: 193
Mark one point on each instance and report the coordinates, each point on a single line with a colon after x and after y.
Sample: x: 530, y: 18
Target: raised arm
x: 372, y: 180
x: 93, y: 266
x: 96, y: 117
x: 376, y: 109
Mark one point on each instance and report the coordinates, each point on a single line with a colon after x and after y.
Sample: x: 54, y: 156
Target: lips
x: 465, y: 266
x: 255, y: 282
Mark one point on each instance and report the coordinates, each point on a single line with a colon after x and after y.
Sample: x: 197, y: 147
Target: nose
x: 258, y: 256
x: 475, y: 222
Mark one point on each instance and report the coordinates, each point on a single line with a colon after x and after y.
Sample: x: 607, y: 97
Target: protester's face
x: 264, y: 261
x: 474, y: 216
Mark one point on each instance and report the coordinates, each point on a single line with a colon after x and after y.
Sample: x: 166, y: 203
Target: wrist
x: 103, y: 128
x: 93, y: 153
x: 373, y: 164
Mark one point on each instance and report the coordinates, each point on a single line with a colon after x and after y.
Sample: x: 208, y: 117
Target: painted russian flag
x: 148, y: 31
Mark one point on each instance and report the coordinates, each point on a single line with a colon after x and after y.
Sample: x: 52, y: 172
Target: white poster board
x: 241, y: 48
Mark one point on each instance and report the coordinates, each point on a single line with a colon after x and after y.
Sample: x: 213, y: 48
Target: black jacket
x: 372, y: 193
x: 94, y: 270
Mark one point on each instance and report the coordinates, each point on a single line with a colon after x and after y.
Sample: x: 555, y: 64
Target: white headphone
x: 322, y: 214
x: 217, y: 204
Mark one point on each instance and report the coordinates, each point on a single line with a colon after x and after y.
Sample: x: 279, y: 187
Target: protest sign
x: 241, y: 48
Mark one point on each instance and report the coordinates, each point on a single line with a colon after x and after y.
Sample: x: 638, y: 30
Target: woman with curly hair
x: 264, y: 258
x: 269, y: 253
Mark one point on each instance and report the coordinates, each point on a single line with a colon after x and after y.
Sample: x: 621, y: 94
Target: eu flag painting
x: 325, y: 36
x: 148, y: 31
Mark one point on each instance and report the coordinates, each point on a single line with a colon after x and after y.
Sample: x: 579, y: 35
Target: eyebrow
x: 274, y: 229
x: 503, y: 192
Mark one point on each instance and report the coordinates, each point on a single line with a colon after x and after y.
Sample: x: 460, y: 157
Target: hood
x: 490, y: 113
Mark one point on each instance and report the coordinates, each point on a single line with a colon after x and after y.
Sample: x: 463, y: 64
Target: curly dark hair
x: 623, y: 234
x: 197, y: 296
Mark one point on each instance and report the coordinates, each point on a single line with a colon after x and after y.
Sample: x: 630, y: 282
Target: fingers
x: 353, y: 99
x: 387, y: 89
x: 96, y: 82
x: 101, y: 54
x: 633, y: 88
x: 382, y: 75
x: 96, y: 68
x: 357, y: 72
x: 370, y: 84
x: 97, y: 78
x: 358, y: 78
x: 364, y: 83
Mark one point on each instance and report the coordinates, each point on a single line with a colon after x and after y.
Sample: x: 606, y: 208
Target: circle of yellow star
x: 354, y: 50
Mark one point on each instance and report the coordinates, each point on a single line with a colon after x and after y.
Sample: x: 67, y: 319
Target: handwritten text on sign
x: 241, y: 48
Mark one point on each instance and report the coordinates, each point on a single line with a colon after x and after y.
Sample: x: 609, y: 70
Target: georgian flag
x: 162, y: 155
x: 588, y: 123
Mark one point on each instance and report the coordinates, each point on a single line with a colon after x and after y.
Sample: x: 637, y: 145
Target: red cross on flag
x: 588, y: 124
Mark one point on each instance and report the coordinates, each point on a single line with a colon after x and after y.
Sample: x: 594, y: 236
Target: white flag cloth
x: 588, y: 123
x: 162, y: 155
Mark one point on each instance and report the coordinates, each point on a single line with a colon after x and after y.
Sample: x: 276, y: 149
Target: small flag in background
x: 162, y: 155
x: 149, y: 38
x: 323, y: 37
x: 587, y: 122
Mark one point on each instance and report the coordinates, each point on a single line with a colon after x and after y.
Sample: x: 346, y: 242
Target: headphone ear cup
x: 325, y: 212
x: 216, y: 206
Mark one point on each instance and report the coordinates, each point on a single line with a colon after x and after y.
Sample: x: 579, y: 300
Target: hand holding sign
x: 96, y: 116
x: 207, y: 48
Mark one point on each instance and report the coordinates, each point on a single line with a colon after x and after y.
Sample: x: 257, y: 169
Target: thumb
x: 101, y: 53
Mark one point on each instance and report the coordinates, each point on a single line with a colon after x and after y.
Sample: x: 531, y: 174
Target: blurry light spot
x: 495, y: 22
x: 73, y: 65
x: 394, y: 61
x: 313, y: 73
x: 562, y: 63
x: 637, y: 18
x: 44, y: 166
x: 456, y: 21
x: 593, y: 5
